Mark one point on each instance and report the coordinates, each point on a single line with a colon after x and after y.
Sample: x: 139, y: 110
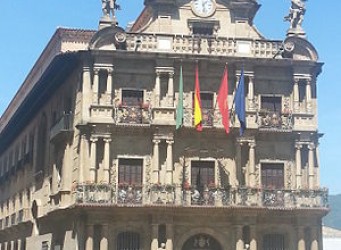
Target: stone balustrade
x: 206, y: 45
x: 169, y: 195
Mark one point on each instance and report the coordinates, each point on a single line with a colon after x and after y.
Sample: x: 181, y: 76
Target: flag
x: 240, y: 103
x: 180, y: 107
x: 222, y: 100
x: 197, y: 102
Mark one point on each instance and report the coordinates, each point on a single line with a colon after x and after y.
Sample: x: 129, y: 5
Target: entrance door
x: 201, y: 242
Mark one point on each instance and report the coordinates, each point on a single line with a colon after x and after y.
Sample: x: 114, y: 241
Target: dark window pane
x: 130, y: 171
x: 271, y: 103
x: 132, y: 97
x: 273, y: 175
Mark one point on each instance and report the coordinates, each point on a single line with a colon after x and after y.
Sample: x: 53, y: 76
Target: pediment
x: 299, y: 48
x: 109, y: 38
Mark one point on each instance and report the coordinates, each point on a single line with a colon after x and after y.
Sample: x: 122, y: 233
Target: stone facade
x: 90, y: 157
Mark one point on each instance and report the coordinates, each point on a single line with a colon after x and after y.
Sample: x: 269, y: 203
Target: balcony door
x: 207, y: 108
x: 273, y: 175
x: 202, y: 174
x: 130, y: 181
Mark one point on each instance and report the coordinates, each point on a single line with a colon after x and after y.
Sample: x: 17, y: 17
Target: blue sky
x: 27, y: 26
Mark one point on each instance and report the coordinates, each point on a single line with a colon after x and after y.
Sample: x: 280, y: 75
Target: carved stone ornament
x: 299, y: 48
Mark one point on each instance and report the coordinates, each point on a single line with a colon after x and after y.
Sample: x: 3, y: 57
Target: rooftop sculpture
x: 296, y: 17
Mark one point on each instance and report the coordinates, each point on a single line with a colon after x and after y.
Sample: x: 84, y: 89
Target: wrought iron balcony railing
x: 274, y: 120
x: 61, y: 127
x: 132, y: 115
x: 155, y: 194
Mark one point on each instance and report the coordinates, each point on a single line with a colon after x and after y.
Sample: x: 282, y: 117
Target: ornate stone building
x: 90, y: 157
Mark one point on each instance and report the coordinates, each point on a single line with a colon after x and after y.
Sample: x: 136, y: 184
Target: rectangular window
x: 271, y: 103
x: 273, y: 175
x: 132, y: 98
x: 130, y: 171
x: 202, y: 174
x: 198, y: 30
x: 206, y: 100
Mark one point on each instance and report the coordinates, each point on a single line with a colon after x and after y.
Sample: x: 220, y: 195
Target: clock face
x: 203, y: 8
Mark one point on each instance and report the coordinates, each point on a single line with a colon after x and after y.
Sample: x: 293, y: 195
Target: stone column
x: 169, y: 236
x: 314, y: 239
x: 251, y: 94
x: 19, y: 244
x: 89, y: 242
x: 104, y: 238
x: 109, y: 86
x: 155, y: 235
x: 95, y: 86
x: 155, y: 174
x: 308, y: 94
x: 84, y: 160
x: 239, y: 237
x: 253, y: 238
x: 301, y: 239
x: 169, y: 168
x: 317, y: 160
x: 106, y: 169
x: 298, y: 166
x: 86, y: 94
x: 170, y: 92
x: 296, y: 94
x: 311, y: 165
x: 93, y: 160
x: 157, y: 90
x: 252, y: 164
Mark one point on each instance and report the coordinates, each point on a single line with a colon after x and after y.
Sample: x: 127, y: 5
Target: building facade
x: 90, y: 157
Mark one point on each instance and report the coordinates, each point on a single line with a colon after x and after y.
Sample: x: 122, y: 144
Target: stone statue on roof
x: 296, y: 14
x: 108, y: 7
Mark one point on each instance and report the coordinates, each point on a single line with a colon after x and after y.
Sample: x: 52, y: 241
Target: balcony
x: 61, y: 128
x: 170, y: 195
x: 274, y: 121
x: 210, y: 117
x: 203, y: 45
x: 132, y: 115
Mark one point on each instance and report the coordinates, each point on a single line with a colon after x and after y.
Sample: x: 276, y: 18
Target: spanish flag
x: 197, y: 102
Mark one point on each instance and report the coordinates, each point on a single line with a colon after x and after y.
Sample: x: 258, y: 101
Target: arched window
x: 128, y: 241
x: 273, y: 242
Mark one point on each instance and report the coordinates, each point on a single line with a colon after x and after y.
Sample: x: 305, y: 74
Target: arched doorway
x: 201, y: 242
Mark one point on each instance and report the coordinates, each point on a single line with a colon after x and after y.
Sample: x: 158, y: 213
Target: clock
x: 203, y: 8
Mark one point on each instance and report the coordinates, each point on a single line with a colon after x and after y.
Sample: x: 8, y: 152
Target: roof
x: 63, y: 40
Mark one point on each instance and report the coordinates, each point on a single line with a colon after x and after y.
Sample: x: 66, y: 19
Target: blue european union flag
x: 240, y: 103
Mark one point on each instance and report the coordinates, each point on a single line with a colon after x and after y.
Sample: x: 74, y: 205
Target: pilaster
x: 169, y: 169
x: 89, y: 242
x: 311, y: 165
x: 298, y: 160
x: 155, y: 174
x: 252, y: 164
x: 93, y: 159
x: 95, y: 86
